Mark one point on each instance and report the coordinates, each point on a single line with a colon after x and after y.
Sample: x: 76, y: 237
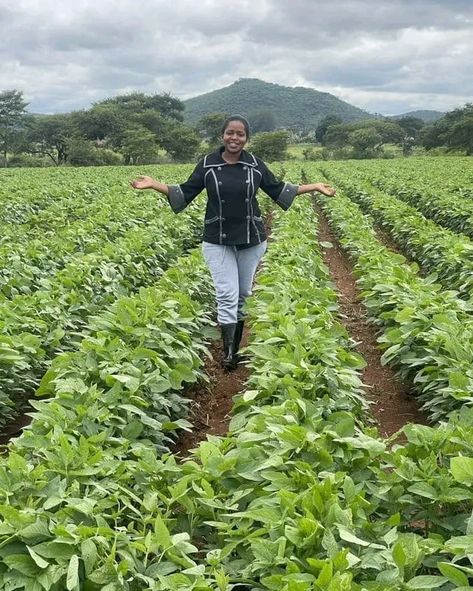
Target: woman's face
x: 234, y: 137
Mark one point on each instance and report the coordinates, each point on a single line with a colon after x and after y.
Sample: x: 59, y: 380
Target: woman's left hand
x: 326, y: 189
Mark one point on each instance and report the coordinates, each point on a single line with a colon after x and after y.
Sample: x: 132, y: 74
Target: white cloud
x: 379, y: 55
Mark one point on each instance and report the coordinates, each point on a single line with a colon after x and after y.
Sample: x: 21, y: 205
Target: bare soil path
x: 392, y: 404
x: 211, y: 404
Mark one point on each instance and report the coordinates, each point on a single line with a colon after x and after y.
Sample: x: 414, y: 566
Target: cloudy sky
x: 385, y: 56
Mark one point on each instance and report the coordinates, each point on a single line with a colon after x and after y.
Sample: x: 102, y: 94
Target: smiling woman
x: 234, y: 235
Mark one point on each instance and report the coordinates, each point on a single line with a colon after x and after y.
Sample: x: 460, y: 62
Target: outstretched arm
x: 147, y: 182
x: 320, y: 187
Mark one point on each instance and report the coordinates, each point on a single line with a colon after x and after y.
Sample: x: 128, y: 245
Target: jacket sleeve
x: 181, y: 195
x: 280, y: 192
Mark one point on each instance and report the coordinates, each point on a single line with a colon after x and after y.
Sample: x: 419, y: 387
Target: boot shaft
x: 228, y: 338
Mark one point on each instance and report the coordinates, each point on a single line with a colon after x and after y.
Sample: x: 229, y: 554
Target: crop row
x: 451, y: 209
x: 28, y: 253
x: 427, y: 332
x: 136, y: 524
x: 78, y: 487
x: 299, y: 495
x: 42, y: 198
x: 35, y: 327
x: 438, y: 250
x: 441, y: 175
x: 310, y: 499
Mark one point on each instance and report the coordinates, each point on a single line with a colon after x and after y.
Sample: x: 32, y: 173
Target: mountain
x: 291, y: 107
x: 428, y: 116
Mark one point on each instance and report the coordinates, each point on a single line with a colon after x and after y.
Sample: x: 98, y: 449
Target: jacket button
x: 247, y: 180
x: 247, y: 200
x: 248, y: 217
x: 219, y: 182
x: 245, y: 167
x: 219, y: 168
x: 222, y: 200
x: 224, y: 235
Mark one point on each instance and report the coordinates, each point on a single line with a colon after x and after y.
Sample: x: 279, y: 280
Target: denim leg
x: 222, y: 262
x: 248, y: 260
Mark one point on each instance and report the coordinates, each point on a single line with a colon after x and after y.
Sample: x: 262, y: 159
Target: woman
x: 234, y: 238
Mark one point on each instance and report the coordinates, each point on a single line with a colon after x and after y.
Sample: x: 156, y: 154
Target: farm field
x: 106, y: 326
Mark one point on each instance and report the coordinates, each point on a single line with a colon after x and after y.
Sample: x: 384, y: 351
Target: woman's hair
x: 227, y: 121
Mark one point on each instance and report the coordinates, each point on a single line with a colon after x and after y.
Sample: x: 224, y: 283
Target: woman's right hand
x: 144, y: 182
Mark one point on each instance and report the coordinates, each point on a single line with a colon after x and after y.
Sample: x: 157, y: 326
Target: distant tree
x: 169, y: 106
x: 367, y: 137
x: 180, y: 141
x: 137, y: 102
x: 389, y: 132
x: 460, y: 136
x: 49, y: 135
x: 138, y: 145
x: 366, y: 142
x: 336, y: 136
x: 154, y: 121
x: 262, y: 120
x: 80, y: 151
x: 12, y: 114
x: 411, y: 127
x: 460, y: 124
x: 210, y: 126
x: 270, y: 145
x: 454, y: 131
x: 324, y: 124
x: 103, y: 122
x: 434, y: 135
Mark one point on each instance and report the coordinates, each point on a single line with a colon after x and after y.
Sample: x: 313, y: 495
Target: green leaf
x: 57, y: 550
x: 39, y: 561
x: 36, y: 532
x: 72, y: 579
x: 426, y: 582
x: 399, y: 555
x: 198, y: 570
x: 462, y: 470
x: 453, y: 574
x: 162, y: 536
x: 22, y: 563
x: 89, y: 555
x: 325, y: 575
x: 348, y: 536
x: 423, y: 490
x: 458, y: 380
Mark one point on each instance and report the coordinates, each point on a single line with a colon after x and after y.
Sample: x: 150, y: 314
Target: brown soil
x: 392, y: 405
x: 211, y: 404
x: 15, y: 428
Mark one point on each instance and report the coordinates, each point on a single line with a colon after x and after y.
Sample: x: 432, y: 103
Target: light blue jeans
x: 232, y: 272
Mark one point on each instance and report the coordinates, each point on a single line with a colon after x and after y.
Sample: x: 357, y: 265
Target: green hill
x: 296, y: 108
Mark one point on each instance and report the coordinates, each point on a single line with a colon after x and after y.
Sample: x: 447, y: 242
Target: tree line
x: 127, y: 129
x: 366, y: 138
x: 136, y: 128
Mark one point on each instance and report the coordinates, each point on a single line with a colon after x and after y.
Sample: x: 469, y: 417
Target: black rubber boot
x: 228, y: 337
x: 237, y: 340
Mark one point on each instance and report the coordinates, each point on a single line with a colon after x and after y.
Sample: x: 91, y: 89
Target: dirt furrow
x: 392, y: 404
x: 211, y: 404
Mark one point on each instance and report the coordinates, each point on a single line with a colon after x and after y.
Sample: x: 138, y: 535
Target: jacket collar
x: 215, y: 159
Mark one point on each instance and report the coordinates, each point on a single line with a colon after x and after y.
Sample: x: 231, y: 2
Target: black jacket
x: 232, y: 216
